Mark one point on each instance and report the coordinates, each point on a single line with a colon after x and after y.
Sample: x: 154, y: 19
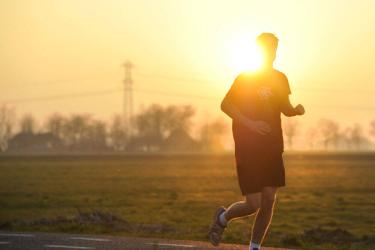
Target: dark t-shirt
x: 260, y: 97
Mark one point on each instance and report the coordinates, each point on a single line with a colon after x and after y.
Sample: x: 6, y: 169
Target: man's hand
x: 259, y: 127
x: 300, y: 110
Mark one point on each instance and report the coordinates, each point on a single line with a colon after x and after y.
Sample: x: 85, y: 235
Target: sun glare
x: 244, y: 55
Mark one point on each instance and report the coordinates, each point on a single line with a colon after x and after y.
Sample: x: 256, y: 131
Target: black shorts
x: 259, y: 163
x: 257, y: 171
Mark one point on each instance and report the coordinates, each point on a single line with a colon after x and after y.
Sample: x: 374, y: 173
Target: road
x: 56, y: 241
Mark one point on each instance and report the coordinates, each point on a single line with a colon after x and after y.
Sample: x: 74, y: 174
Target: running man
x: 255, y: 102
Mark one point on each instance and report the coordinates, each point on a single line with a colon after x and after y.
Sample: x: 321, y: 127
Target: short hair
x: 267, y: 39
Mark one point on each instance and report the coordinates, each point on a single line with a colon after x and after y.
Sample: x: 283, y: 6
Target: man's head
x: 268, y: 42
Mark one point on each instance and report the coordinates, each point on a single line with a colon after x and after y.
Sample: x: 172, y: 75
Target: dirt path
x: 26, y: 241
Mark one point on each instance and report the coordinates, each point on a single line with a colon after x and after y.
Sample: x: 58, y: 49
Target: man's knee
x: 268, y: 201
x: 253, y: 201
x: 268, y: 198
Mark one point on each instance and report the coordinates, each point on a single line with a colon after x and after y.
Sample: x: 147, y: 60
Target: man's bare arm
x: 232, y: 111
x: 288, y: 110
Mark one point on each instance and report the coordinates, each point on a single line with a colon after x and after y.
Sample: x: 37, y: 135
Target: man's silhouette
x: 255, y: 102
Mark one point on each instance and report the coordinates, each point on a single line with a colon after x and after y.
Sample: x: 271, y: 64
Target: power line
x: 344, y: 107
x: 304, y: 89
x: 331, y: 90
x: 197, y: 80
x: 55, y: 82
x: 164, y: 93
x: 103, y: 92
x: 177, y: 94
x: 64, y: 96
x: 174, y: 78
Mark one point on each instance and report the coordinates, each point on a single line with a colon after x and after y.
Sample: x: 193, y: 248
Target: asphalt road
x: 56, y: 241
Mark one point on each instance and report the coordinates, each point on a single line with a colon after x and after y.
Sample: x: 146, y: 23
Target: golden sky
x: 184, y: 52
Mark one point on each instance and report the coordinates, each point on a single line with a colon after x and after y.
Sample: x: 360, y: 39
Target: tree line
x: 155, y: 129
x: 159, y: 129
x: 327, y: 134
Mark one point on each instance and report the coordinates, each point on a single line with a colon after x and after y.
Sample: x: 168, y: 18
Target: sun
x: 244, y: 55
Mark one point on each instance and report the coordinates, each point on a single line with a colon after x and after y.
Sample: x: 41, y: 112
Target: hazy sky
x: 57, y: 48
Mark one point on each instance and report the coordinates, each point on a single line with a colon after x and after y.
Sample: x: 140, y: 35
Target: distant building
x: 33, y: 143
x: 180, y: 140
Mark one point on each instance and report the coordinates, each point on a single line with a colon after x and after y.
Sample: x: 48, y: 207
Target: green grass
x: 175, y: 196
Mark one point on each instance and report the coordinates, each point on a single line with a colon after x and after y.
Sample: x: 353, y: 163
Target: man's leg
x: 264, y: 216
x: 244, y: 208
x: 236, y: 210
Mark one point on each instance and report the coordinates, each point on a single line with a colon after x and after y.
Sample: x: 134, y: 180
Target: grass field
x: 175, y: 196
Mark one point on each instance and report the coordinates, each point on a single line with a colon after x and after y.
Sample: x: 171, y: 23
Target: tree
x: 178, y: 118
x: 27, y: 124
x: 157, y: 123
x: 150, y: 129
x: 312, y: 137
x: 81, y: 132
x: 117, y: 133
x: 7, y: 120
x: 329, y: 131
x: 347, y: 140
x: 290, y: 129
x: 55, y: 125
x: 179, y: 141
x: 372, y: 128
x: 356, y: 136
x: 96, y: 136
x: 75, y: 130
x: 210, y: 135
